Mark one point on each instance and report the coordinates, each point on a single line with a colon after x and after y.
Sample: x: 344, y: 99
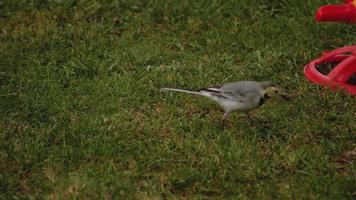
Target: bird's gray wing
x: 234, y: 95
x: 237, y: 91
x: 227, y: 94
x: 243, y: 89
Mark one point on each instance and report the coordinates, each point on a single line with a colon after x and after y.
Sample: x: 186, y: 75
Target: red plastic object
x: 340, y: 75
x: 337, y: 13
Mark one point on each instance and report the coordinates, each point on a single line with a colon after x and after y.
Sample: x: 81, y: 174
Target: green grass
x: 82, y: 116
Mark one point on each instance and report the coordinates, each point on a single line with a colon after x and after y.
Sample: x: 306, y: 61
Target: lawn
x: 82, y: 116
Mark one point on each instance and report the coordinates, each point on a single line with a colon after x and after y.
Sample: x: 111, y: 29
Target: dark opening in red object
x: 336, y: 69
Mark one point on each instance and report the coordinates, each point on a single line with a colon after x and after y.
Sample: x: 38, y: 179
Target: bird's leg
x: 223, y: 118
x: 248, y: 115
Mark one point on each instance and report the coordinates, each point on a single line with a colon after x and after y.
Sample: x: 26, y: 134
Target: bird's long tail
x: 183, y: 90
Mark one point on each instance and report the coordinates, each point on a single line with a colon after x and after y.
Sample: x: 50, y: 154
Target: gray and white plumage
x: 240, y: 96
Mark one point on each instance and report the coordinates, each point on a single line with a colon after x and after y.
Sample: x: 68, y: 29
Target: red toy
x: 337, y: 13
x: 336, y: 69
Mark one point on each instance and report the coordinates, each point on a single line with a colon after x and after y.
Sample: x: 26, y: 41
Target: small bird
x: 242, y: 96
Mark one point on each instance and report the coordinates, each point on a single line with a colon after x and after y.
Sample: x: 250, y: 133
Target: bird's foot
x: 223, y: 121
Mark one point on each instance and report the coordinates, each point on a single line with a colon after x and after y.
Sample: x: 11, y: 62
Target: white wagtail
x: 242, y: 96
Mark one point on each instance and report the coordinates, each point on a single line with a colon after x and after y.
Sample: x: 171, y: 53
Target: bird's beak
x: 285, y: 96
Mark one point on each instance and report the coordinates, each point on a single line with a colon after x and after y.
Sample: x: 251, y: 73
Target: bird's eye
x: 276, y: 91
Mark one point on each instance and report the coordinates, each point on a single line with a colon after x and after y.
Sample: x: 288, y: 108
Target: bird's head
x: 272, y: 90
